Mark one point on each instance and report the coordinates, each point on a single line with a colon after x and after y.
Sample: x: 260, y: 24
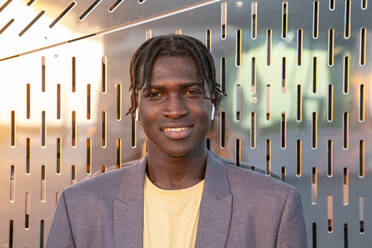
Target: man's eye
x: 156, y: 94
x: 192, y: 93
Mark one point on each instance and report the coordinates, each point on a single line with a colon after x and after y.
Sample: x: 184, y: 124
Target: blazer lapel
x: 128, y: 207
x: 215, y: 207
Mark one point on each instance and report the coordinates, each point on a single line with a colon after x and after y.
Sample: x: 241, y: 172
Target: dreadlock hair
x: 143, y: 60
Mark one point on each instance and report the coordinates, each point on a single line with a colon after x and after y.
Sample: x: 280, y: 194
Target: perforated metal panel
x: 297, y: 74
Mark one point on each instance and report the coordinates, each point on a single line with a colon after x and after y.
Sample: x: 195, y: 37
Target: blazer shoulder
x: 100, y: 184
x: 247, y: 179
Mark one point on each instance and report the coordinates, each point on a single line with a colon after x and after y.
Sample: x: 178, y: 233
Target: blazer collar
x: 215, y: 207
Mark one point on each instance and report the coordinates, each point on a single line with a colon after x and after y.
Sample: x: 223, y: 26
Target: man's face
x: 175, y: 116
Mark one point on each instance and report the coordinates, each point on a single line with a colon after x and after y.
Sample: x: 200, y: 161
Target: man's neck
x: 172, y: 173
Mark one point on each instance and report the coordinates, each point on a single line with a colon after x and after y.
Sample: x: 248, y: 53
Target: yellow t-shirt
x: 171, y: 216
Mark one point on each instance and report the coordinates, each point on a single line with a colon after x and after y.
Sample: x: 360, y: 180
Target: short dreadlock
x: 171, y: 45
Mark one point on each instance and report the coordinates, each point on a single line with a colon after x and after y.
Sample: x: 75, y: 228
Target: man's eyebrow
x: 186, y: 85
x: 191, y: 84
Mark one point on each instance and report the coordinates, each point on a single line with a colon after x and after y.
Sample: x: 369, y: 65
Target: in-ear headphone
x: 213, y: 109
x: 136, y: 115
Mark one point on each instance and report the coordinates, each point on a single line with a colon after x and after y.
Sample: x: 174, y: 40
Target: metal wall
x: 297, y: 74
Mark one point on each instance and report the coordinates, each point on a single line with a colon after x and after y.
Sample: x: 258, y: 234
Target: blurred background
x: 296, y: 73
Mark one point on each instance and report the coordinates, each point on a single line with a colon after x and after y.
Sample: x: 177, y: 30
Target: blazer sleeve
x: 60, y: 235
x: 292, y: 231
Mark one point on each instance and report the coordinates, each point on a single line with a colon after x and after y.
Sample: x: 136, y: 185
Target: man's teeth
x: 178, y: 129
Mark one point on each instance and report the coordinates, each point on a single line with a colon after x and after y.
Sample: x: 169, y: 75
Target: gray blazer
x: 239, y: 208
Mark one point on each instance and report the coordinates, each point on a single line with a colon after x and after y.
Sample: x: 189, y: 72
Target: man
x: 179, y: 194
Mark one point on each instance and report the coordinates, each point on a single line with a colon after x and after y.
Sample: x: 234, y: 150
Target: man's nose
x: 175, y: 107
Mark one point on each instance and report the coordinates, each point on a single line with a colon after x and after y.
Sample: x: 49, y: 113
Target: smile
x: 177, y: 132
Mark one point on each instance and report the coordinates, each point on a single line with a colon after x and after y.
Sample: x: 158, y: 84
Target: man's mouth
x: 177, y: 132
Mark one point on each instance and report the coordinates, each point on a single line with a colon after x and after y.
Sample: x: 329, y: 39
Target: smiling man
x: 179, y: 194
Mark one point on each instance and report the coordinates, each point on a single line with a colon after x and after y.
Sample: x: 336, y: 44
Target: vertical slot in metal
x: 284, y: 73
x: 314, y: 235
x: 269, y: 46
x: 11, y: 233
x: 223, y: 20
x: 299, y: 103
x: 223, y: 74
x: 299, y: 157
x: 254, y: 19
x: 284, y: 19
x: 73, y: 174
x: 314, y: 129
x: 300, y: 38
x: 283, y: 129
x: 118, y: 153
x: 133, y: 131
x: 346, y: 130
x: 43, y: 74
x: 43, y: 129
x: 27, y: 210
x: 331, y: 46
x: 316, y: 19
x: 89, y: 156
x: 222, y: 130
x: 361, y: 214
x: 314, y: 186
x: 238, y: 152
x: 209, y: 39
x: 362, y: 103
x: 346, y: 235
x: 28, y: 101
x: 59, y: 156
x: 347, y: 18
x: 12, y: 184
x: 254, y: 78
x: 89, y: 101
x: 345, y: 189
x: 315, y: 74
x: 331, y: 4
x: 43, y: 184
x: 253, y: 130
x: 148, y: 33
x: 330, y: 213
x: 238, y: 47
x: 73, y: 129
x: 330, y: 158
x: 346, y: 74
x: 119, y: 102
x: 104, y: 129
x: 208, y: 144
x: 268, y: 157
x: 364, y: 4
x: 28, y: 155
x: 283, y: 173
x: 104, y: 75
x: 361, y: 159
x: 363, y: 43
x: 330, y: 103
x: 238, y: 105
x: 12, y: 129
x: 73, y: 73
x: 42, y: 233
x: 58, y: 101
x: 268, y: 102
